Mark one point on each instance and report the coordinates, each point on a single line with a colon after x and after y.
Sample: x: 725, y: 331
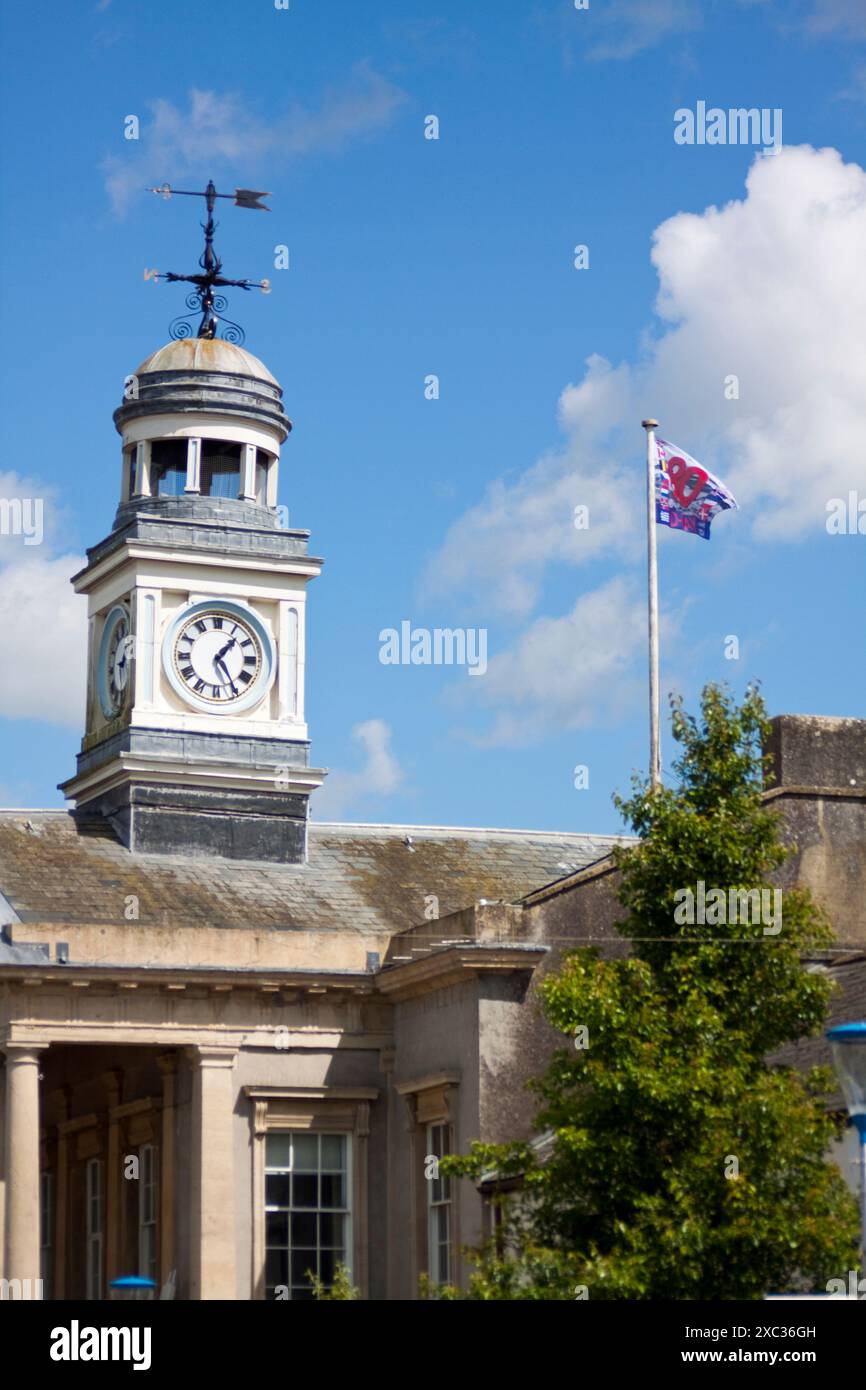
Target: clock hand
x: 219, y: 663
x: 232, y: 686
x: 232, y: 642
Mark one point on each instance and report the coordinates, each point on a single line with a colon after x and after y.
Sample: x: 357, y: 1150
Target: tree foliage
x: 341, y: 1290
x: 683, y: 1164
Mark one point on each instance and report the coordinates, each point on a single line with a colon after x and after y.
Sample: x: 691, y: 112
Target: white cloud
x: 769, y: 288
x: 856, y: 88
x: 217, y: 130
x: 621, y: 29
x: 629, y: 27
x: 44, y: 623
x: 502, y: 547
x: 624, y: 28
x: 847, y: 17
x: 562, y: 672
x: 380, y: 774
x: 45, y: 639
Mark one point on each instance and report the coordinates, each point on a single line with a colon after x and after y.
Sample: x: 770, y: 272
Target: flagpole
x: 652, y: 602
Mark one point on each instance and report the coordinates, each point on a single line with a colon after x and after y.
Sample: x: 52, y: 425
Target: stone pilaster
x: 213, y: 1256
x: 22, y: 1160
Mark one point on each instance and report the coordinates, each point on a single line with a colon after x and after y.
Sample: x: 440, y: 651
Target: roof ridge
x: 394, y: 826
x: 467, y: 830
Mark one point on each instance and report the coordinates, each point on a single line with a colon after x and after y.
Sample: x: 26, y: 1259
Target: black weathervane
x: 203, y: 299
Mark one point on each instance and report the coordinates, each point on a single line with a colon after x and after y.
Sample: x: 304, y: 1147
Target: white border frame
x: 263, y: 682
x: 117, y: 612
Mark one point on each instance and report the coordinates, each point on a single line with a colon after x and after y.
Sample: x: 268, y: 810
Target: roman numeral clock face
x: 114, y: 662
x: 218, y: 656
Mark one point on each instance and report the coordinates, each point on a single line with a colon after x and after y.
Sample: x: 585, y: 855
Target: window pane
x: 307, y: 1232
x: 277, y: 1228
x: 442, y: 1224
x: 278, y: 1150
x: 305, y: 1190
x: 261, y: 477
x: 221, y: 480
x: 304, y: 1229
x: 220, y: 468
x: 277, y: 1267
x: 302, y: 1261
x: 333, y: 1153
x: 333, y: 1190
x: 331, y: 1231
x: 277, y: 1190
x: 170, y: 482
x: 306, y: 1153
x: 439, y: 1202
x: 168, y: 467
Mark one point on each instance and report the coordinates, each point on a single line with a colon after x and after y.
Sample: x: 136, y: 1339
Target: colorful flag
x: 687, y: 495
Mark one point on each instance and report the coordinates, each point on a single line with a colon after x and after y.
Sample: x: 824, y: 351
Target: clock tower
x: 195, y: 738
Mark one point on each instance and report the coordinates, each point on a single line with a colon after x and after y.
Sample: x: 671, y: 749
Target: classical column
x: 248, y: 472
x: 213, y: 1189
x: 142, y: 469
x: 193, y: 466
x: 22, y: 1160
x: 168, y: 1067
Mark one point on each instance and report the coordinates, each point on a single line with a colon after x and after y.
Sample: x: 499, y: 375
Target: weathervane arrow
x: 247, y: 198
x: 203, y: 296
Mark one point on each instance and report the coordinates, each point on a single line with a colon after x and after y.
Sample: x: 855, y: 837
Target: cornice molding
x: 454, y: 964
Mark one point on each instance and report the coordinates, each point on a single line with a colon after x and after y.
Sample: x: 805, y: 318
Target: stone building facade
x: 234, y: 1040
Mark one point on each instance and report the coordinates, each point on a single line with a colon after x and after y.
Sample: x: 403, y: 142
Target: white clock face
x: 217, y: 656
x: 118, y: 661
x: 115, y: 661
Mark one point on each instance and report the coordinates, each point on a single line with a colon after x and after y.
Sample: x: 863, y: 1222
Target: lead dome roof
x: 205, y: 355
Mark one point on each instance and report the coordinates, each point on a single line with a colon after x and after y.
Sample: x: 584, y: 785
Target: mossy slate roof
x: 358, y: 877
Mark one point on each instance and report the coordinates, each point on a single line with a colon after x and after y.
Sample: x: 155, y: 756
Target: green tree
x: 684, y: 1164
x: 342, y: 1290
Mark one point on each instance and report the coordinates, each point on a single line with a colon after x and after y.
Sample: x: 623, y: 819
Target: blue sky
x: 454, y: 257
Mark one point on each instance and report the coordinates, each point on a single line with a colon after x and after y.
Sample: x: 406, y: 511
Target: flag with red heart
x: 688, y: 496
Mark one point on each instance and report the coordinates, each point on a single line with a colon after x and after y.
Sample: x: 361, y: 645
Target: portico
x: 125, y: 1117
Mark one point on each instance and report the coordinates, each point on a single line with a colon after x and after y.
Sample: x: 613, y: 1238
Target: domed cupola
x: 202, y: 423
x: 196, y: 739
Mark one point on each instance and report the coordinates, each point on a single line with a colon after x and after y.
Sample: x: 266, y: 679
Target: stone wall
x: 819, y: 788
